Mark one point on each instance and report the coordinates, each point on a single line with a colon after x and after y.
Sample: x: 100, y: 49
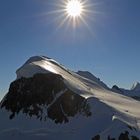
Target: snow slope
x: 112, y: 113
x: 91, y: 77
x: 86, y: 89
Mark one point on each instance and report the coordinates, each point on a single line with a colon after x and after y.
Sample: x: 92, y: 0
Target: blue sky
x: 109, y: 48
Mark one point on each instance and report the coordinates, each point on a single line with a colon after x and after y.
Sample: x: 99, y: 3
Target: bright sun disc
x: 74, y: 8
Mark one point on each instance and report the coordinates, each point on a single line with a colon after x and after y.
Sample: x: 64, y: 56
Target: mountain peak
x: 36, y: 64
x: 47, y: 91
x: 91, y: 77
x: 136, y: 86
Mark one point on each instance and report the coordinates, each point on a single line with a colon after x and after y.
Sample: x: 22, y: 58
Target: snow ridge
x: 85, y: 89
x: 108, y: 108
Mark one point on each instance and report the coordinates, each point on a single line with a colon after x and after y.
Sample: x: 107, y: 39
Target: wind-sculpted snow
x: 85, y: 109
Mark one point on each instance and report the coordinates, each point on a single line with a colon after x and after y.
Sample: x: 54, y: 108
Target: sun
x: 73, y: 13
x: 74, y: 8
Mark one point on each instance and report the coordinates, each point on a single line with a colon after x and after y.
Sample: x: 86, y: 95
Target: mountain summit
x: 136, y: 86
x: 90, y: 76
x: 49, y: 101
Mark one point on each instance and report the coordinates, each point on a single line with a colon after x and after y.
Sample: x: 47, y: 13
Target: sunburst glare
x: 74, y: 12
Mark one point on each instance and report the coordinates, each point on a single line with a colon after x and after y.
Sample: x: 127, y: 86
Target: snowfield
x: 112, y: 113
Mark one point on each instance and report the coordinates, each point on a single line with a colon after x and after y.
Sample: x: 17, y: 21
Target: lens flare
x: 74, y: 13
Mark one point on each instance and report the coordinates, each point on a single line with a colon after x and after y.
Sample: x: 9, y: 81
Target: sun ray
x: 87, y: 25
x: 63, y: 22
x: 74, y: 13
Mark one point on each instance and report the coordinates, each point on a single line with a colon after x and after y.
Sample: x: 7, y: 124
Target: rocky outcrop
x: 115, y: 88
x: 44, y: 96
x: 122, y: 136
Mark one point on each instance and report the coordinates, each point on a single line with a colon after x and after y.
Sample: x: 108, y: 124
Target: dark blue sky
x: 109, y: 48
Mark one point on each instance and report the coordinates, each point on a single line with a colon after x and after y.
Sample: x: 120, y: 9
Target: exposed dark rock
x: 117, y: 89
x: 134, y: 138
x: 97, y: 137
x: 44, y: 95
x: 109, y: 138
x: 124, y: 136
x: 131, y: 128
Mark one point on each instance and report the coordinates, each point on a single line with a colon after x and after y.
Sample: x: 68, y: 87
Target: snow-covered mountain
x: 90, y: 76
x: 136, y: 86
x: 133, y: 92
x: 48, y: 101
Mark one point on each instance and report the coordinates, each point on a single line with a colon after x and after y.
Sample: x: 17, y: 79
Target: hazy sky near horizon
x: 108, y: 46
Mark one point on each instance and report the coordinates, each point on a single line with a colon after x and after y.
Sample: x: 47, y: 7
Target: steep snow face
x: 36, y: 64
x: 90, y: 76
